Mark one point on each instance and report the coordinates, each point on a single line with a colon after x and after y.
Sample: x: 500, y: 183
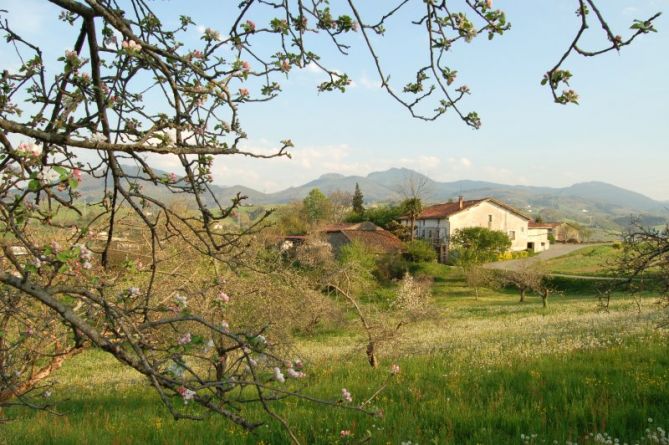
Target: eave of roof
x: 446, y: 210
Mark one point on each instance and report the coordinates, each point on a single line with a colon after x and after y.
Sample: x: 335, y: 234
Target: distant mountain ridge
x: 596, y: 198
x: 385, y: 186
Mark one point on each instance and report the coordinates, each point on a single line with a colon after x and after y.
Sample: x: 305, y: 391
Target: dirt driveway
x: 555, y: 251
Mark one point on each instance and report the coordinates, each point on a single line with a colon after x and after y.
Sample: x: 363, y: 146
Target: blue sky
x: 618, y: 134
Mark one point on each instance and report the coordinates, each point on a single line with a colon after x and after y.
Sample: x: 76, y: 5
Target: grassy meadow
x: 590, y: 261
x: 478, y: 371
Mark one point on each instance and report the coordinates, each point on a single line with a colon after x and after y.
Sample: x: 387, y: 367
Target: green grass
x: 480, y: 371
x: 432, y: 401
x: 589, y: 261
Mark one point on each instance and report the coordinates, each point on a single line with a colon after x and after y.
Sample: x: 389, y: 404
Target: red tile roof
x: 365, y: 225
x: 536, y: 225
x: 378, y: 241
x: 440, y: 211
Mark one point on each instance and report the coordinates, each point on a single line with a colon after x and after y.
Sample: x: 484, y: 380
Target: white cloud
x: 310, y: 162
x: 630, y: 10
x: 370, y: 84
x: 313, y: 68
x: 423, y: 163
x: 460, y: 162
x: 503, y: 175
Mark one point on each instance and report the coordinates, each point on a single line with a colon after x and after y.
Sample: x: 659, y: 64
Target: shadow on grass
x: 434, y: 400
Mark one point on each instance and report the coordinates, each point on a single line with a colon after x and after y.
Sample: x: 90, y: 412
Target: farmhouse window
x: 512, y: 235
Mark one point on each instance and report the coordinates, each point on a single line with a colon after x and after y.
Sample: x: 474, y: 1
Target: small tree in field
x: 473, y: 246
x: 358, y: 201
x: 133, y: 87
x: 414, y: 188
x: 411, y: 208
x: 290, y: 219
x: 478, y: 245
x: 340, y: 205
x: 478, y: 277
x: 530, y: 277
x: 317, y: 207
x: 644, y: 261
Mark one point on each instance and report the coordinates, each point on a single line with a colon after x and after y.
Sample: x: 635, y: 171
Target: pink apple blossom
x: 249, y: 26
x: 71, y: 56
x: 184, y: 339
x: 295, y: 374
x: 223, y: 297
x: 29, y: 149
x: 212, y: 35
x: 131, y: 46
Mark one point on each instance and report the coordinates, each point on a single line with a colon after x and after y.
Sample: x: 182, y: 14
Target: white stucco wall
x: 489, y: 215
x: 539, y: 237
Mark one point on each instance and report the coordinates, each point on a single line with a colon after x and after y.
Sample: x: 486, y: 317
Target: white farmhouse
x: 438, y: 223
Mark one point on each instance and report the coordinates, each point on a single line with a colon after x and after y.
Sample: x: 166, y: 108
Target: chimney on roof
x: 461, y: 202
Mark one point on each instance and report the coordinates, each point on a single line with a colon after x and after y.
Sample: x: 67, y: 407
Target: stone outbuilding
x: 378, y: 240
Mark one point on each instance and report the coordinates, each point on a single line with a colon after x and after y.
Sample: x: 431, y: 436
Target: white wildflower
x: 181, y: 300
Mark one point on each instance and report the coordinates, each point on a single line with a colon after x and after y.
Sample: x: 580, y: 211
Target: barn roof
x: 375, y: 238
x: 378, y: 241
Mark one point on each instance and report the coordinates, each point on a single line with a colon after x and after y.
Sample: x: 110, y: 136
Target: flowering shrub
x: 413, y: 295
